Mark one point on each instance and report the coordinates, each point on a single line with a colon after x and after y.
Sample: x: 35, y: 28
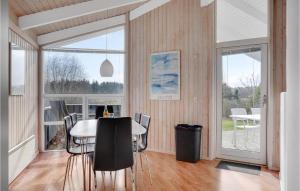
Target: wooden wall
x: 278, y: 78
x: 178, y: 25
x: 23, y: 110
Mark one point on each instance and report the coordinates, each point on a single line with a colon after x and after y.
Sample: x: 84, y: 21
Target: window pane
x: 53, y: 119
x: 115, y: 41
x: 241, y: 19
x: 241, y: 99
x: 112, y: 102
x: 79, y: 73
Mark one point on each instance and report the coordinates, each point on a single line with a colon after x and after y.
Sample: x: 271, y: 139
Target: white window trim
x: 213, y: 102
x: 122, y: 97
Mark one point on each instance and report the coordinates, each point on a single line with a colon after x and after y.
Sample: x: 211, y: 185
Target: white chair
x: 255, y: 111
x: 246, y: 126
x: 239, y: 111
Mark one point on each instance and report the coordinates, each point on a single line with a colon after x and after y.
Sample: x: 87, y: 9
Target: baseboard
x: 20, y: 157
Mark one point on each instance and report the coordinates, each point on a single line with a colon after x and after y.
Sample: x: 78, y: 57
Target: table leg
x: 83, y: 163
x: 136, y: 159
x: 234, y: 133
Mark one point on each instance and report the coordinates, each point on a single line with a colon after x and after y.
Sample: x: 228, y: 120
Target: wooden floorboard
x: 46, y: 172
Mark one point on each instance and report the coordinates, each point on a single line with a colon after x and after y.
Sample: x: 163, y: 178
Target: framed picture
x: 17, y: 69
x: 165, y: 76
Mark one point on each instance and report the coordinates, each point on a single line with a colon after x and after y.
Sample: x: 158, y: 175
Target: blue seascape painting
x: 165, y: 75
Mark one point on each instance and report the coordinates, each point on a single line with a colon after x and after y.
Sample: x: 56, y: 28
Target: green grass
x: 227, y: 124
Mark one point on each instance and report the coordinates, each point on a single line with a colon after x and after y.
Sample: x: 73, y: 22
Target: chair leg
x: 67, y: 169
x: 133, y: 179
x: 95, y: 179
x: 141, y: 161
x: 90, y: 169
x: 125, y: 177
x: 148, y: 168
x: 103, y: 179
x: 115, y: 179
x: 72, y: 164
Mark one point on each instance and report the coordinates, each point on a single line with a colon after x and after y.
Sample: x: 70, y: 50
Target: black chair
x: 113, y: 150
x: 71, y: 149
x: 64, y: 108
x: 140, y: 147
x: 137, y: 117
x: 74, y: 118
x: 77, y: 141
x: 100, y: 110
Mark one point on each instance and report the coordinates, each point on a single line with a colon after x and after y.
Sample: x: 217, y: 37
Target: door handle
x: 265, y: 99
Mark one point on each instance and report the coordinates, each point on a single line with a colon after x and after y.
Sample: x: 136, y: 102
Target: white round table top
x: 250, y: 117
x: 88, y: 128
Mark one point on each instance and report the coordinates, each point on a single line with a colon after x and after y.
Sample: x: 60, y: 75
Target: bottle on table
x: 105, y: 112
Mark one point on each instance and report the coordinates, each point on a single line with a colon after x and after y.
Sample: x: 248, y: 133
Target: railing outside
x: 83, y: 104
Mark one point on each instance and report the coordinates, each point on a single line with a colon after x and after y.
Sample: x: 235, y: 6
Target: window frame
x: 120, y: 98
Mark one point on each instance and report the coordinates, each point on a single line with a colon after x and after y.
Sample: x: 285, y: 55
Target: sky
x: 236, y: 67
x: 91, y: 62
x: 239, y: 67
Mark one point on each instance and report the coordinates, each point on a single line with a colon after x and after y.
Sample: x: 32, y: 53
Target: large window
x: 73, y: 84
x: 241, y: 19
x: 79, y: 73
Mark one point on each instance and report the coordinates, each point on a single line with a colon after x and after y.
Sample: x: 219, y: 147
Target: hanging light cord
x: 106, y: 34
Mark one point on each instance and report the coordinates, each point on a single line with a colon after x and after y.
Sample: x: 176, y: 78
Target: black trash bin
x: 188, y: 139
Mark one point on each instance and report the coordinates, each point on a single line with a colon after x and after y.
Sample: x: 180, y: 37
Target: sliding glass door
x: 241, y: 98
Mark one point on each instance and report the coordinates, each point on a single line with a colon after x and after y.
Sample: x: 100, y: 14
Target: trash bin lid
x: 188, y: 127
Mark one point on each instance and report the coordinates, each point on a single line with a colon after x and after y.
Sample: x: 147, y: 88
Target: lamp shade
x: 106, y: 69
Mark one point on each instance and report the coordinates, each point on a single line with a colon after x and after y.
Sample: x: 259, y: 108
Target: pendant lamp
x: 106, y: 68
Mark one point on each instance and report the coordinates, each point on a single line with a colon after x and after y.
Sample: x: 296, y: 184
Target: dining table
x: 253, y: 117
x: 86, y: 129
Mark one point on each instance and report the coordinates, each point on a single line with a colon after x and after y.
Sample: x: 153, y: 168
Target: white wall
x: 25, y: 151
x: 4, y: 78
x: 292, y: 147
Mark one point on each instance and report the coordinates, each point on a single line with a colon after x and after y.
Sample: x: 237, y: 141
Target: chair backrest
x: 238, y: 111
x: 74, y: 118
x: 145, y: 122
x: 68, y: 127
x: 100, y: 109
x: 137, y: 117
x: 113, y: 149
x: 64, y: 108
x: 255, y: 111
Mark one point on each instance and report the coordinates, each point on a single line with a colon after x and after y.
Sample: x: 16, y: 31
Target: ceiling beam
x: 249, y: 10
x: 81, y: 38
x: 69, y: 12
x: 204, y: 3
x: 147, y: 7
x: 80, y: 30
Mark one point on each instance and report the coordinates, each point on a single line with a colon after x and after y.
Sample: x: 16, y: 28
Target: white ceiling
x: 241, y: 19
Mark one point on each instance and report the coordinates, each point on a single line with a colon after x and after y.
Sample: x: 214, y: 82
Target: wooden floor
x: 47, y: 173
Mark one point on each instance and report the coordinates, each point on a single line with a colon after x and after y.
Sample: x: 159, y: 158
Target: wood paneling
x: 278, y: 77
x: 23, y: 110
x: 26, y: 7
x: 167, y: 174
x: 178, y: 25
x: 84, y: 19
